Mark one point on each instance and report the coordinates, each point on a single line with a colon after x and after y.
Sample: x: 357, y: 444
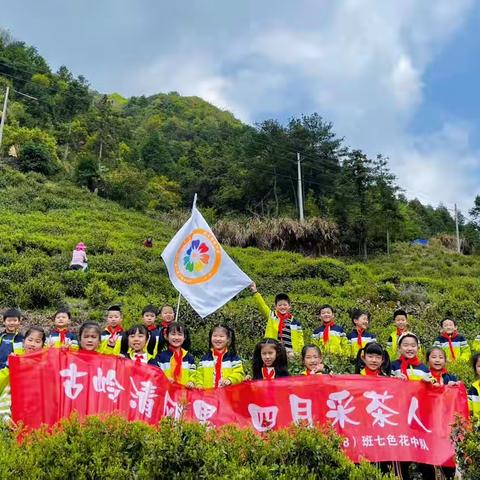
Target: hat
x: 80, y: 246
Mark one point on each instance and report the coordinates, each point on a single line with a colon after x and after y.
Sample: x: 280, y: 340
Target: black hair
x: 376, y: 349
x: 323, y: 307
x: 357, y: 313
x: 232, y: 348
x: 62, y: 310
x: 114, y: 308
x: 405, y: 335
x: 178, y: 327
x: 475, y: 360
x: 12, y: 313
x: 430, y: 350
x: 447, y: 318
x: 282, y: 296
x: 280, y: 364
x: 150, y: 309
x: 398, y: 312
x: 88, y: 326
x: 132, y: 331
x: 36, y: 329
x: 306, y: 347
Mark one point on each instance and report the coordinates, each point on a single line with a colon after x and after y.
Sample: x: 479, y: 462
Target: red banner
x: 381, y: 419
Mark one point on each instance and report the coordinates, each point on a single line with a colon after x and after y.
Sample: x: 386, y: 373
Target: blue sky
x: 395, y: 77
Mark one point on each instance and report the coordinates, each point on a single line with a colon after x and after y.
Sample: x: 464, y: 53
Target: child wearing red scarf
x: 269, y: 360
x: 452, y: 343
x: 61, y: 335
x: 400, y: 320
x: 373, y: 361
x: 359, y: 336
x: 221, y: 366
x: 408, y: 366
x: 111, y: 340
x: 176, y: 362
x: 330, y: 337
x: 136, y: 339
x: 436, y: 361
x: 312, y: 360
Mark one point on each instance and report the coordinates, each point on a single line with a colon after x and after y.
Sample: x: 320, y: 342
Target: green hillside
x: 41, y: 221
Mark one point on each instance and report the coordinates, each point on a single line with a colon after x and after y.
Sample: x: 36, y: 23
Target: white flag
x: 200, y: 269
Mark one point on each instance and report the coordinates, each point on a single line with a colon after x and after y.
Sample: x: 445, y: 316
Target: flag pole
x: 194, y: 205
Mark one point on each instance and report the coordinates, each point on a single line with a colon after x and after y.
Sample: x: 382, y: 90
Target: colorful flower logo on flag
x: 198, y: 258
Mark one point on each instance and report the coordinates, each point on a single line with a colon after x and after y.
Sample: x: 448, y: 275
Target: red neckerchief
x: 138, y: 357
x: 114, y: 331
x: 177, y: 357
x: 268, y: 375
x: 450, y: 338
x: 359, y: 336
x: 281, y: 322
x: 151, y: 328
x: 164, y: 326
x: 438, y: 375
x: 218, y: 357
x: 400, y: 331
x: 62, y: 332
x: 371, y: 373
x: 326, y: 331
x: 308, y: 372
x: 408, y: 362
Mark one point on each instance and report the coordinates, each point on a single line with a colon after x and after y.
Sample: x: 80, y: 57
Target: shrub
x: 113, y: 448
x: 99, y: 294
x: 467, y: 448
x: 39, y: 292
x: 36, y: 157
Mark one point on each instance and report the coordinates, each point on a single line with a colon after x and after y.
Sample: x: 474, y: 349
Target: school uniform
x: 62, y: 338
x: 156, y: 341
x: 308, y: 372
x: 107, y: 334
x: 357, y: 340
x: 476, y: 344
x: 366, y: 372
x: 392, y: 343
x: 413, y: 369
x: 474, y: 400
x: 215, y: 366
x: 284, y: 328
x: 143, y: 357
x: 271, y: 373
x: 5, y: 395
x: 330, y: 338
x: 169, y: 363
x: 455, y: 346
x: 10, y: 343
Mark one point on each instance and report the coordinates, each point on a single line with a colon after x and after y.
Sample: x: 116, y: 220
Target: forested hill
x: 153, y: 153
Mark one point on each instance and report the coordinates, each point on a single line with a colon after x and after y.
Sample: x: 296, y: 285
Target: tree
x: 35, y: 157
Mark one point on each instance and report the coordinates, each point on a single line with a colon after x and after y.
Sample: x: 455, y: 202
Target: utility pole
x: 4, y: 114
x: 300, y: 189
x: 456, y: 229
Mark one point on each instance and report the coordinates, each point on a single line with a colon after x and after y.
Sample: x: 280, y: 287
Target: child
x: 111, y: 340
x: 221, y: 366
x: 79, y: 258
x: 408, y: 366
x: 157, y: 341
x: 436, y: 361
x: 455, y: 346
x: 474, y: 390
x: 90, y: 336
x: 269, y: 360
x: 359, y: 336
x: 312, y: 360
x: 281, y: 324
x: 136, y: 339
x: 329, y: 337
x: 33, y: 342
x: 11, y: 339
x: 176, y: 363
x: 373, y: 361
x: 61, y: 336
x: 476, y: 344
x: 400, y: 320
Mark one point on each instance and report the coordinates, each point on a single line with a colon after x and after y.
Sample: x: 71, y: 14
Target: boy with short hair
x: 111, y: 339
x: 329, y: 337
x: 451, y: 342
x: 10, y: 339
x: 281, y: 324
x: 359, y: 336
x: 61, y: 336
x: 400, y: 320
